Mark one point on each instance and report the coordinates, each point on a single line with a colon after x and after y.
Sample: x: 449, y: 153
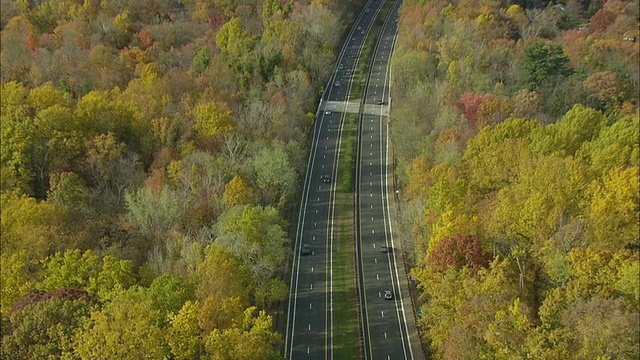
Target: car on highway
x: 380, y: 102
x: 384, y: 249
x: 336, y: 84
x: 305, y: 250
x: 325, y: 178
x: 367, y: 10
x: 340, y: 67
x: 388, y: 295
x: 328, y: 112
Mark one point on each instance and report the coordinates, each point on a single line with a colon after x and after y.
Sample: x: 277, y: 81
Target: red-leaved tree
x: 458, y: 251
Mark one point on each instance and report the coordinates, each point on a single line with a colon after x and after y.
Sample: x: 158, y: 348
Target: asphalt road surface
x: 387, y: 321
x: 309, y: 315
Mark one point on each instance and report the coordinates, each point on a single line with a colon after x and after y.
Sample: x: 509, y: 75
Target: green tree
x: 615, y: 146
x: 168, y: 295
x: 17, y: 172
x: 613, y: 211
x: 544, y: 62
x: 275, y: 176
x: 54, y: 143
x: 201, y: 60
x: 220, y: 313
x: 85, y: 270
x: 125, y: 328
x: 99, y: 112
x: 46, y: 96
x: 565, y: 137
x: 237, y: 192
x: 31, y: 226
x: 223, y: 275
x: 493, y: 155
x: 73, y: 269
x: 508, y: 332
x: 16, y: 278
x: 256, y: 235
x: 256, y: 329
x: 44, y: 330
x: 184, y: 336
x: 236, y: 45
x: 213, y: 119
x: 270, y: 293
x: 114, y: 275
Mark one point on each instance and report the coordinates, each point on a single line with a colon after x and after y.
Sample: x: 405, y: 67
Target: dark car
x: 380, y: 102
x: 325, y: 179
x: 305, y: 250
x: 388, y: 295
x: 384, y: 249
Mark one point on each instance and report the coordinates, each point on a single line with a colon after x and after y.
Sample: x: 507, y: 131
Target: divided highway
x: 309, y: 332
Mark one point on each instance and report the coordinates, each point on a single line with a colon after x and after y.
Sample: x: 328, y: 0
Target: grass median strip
x: 345, y: 310
x: 346, y: 340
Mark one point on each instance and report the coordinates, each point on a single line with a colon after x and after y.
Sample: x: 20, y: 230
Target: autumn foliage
x: 144, y: 144
x: 456, y: 252
x: 520, y: 176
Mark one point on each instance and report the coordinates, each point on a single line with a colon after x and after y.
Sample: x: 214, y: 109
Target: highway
x: 309, y: 332
x: 388, y: 324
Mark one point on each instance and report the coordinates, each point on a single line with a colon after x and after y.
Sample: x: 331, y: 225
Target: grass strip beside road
x: 344, y: 182
x: 346, y: 338
x: 346, y: 334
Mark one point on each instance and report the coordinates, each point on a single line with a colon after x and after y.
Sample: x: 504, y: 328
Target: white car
x: 336, y: 84
x: 388, y: 295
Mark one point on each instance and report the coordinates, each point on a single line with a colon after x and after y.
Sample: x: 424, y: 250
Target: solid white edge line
x: 316, y: 136
x: 404, y: 317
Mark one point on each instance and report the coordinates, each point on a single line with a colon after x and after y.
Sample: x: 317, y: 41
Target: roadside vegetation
x: 516, y: 136
x: 345, y: 310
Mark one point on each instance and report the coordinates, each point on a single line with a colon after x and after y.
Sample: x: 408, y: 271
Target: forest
x: 519, y: 199
x: 152, y: 155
